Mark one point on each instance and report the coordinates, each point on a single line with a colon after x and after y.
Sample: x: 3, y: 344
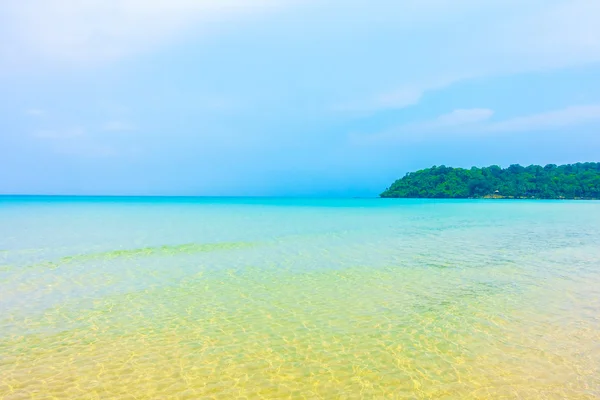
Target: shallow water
x: 280, y: 298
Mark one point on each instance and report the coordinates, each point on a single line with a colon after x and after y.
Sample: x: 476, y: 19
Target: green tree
x: 572, y: 181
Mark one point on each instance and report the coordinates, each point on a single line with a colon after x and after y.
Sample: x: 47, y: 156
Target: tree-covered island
x: 572, y: 181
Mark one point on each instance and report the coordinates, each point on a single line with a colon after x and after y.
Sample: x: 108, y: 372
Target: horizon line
x: 190, y: 196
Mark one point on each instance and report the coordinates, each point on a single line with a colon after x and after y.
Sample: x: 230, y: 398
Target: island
x: 579, y: 181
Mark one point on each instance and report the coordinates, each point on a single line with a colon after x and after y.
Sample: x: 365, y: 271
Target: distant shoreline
x: 579, y: 181
x: 243, y: 199
x: 493, y: 198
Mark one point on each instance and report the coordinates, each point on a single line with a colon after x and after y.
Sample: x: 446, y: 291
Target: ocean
x: 249, y: 298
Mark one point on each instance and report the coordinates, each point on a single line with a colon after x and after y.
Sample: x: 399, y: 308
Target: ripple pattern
x: 494, y: 301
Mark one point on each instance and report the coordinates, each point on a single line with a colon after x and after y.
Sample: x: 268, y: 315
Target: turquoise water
x: 298, y: 298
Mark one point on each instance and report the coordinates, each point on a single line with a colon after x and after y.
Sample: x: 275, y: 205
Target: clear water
x: 279, y: 298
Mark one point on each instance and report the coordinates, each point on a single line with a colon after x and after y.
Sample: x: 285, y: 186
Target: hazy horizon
x: 294, y: 98
x: 233, y: 196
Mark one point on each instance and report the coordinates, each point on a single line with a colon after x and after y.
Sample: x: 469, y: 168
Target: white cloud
x: 85, y: 149
x: 570, y: 116
x: 35, y: 112
x: 392, y: 100
x: 70, y: 133
x: 462, y: 117
x: 500, y: 38
x: 459, y: 119
x: 118, y: 126
x: 76, y: 142
x: 83, y: 31
x: 408, y: 94
x: 566, y: 33
x: 475, y: 122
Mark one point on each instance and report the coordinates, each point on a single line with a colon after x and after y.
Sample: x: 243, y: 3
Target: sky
x: 289, y: 97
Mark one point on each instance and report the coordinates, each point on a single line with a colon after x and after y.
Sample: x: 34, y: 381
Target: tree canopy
x: 572, y: 181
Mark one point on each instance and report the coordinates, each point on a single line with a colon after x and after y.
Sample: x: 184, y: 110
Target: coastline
x: 496, y: 197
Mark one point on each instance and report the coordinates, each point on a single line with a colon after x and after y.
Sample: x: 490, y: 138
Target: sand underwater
x: 161, y: 298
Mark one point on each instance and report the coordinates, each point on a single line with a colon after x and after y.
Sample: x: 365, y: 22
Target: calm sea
x: 157, y: 298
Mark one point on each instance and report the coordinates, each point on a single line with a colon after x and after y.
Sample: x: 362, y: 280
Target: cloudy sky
x: 289, y: 97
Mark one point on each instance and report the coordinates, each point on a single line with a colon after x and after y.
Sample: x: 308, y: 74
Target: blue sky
x: 289, y: 97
